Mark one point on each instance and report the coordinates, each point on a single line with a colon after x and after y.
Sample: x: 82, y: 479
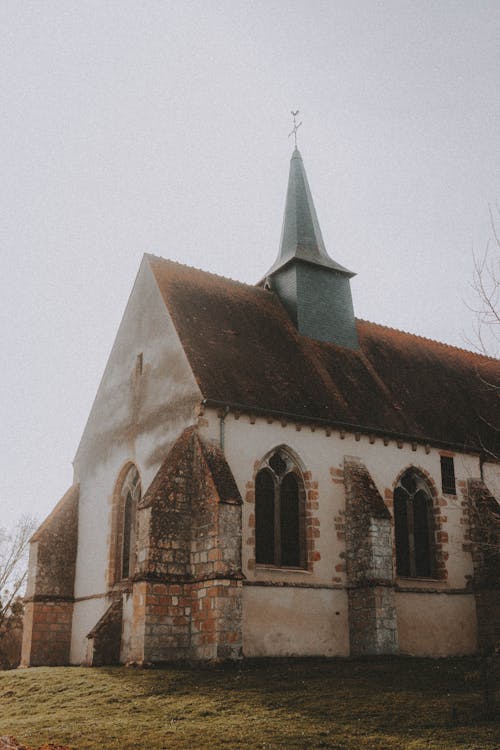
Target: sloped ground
x: 10, y: 743
x: 380, y: 704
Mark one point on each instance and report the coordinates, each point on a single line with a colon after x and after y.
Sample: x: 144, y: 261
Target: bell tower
x: 314, y: 289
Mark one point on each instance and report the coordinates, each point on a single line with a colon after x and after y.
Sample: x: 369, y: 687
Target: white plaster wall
x: 386, y: 463
x: 294, y: 622
x: 247, y: 443
x: 491, y: 474
x: 128, y: 611
x: 436, y: 624
x: 134, y: 418
x: 284, y: 610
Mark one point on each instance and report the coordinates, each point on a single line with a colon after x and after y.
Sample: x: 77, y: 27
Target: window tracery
x: 124, y: 525
x: 279, y: 514
x: 414, y: 527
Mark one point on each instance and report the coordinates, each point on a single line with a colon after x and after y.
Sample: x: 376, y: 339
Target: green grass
x: 379, y: 704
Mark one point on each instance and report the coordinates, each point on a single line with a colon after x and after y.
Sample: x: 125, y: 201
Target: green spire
x: 314, y: 289
x: 301, y: 236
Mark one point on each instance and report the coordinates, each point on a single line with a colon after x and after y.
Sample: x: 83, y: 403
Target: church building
x: 264, y: 475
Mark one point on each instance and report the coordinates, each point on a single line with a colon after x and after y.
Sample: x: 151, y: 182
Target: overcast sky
x: 129, y: 127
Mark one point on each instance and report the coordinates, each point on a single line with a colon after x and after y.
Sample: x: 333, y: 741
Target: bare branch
x: 485, y: 286
x: 13, y: 552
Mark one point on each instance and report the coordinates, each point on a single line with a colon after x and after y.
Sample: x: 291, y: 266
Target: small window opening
x: 138, y: 365
x: 448, y: 475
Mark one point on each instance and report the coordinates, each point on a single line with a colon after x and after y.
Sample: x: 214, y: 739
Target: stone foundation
x: 47, y: 633
x: 372, y: 621
x: 187, y: 621
x: 217, y: 620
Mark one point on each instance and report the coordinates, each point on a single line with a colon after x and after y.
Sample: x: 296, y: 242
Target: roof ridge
x: 202, y: 270
x: 431, y: 340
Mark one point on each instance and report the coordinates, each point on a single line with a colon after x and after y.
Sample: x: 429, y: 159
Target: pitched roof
x: 245, y: 352
x: 364, y: 494
x: 67, y: 505
x: 173, y: 469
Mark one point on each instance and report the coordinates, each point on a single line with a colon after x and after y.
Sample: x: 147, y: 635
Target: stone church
x: 262, y: 474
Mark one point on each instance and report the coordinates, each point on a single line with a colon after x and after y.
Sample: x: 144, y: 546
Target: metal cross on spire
x: 295, y: 126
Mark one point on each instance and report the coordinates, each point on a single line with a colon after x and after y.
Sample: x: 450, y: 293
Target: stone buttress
x: 187, y: 591
x: 369, y: 565
x: 484, y: 532
x: 49, y: 597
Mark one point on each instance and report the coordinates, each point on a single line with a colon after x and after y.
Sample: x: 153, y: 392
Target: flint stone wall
x: 369, y: 565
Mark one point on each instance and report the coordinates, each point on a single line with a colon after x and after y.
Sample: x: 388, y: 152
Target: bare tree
x: 484, y: 303
x: 486, y: 292
x: 485, y: 307
x: 13, y: 572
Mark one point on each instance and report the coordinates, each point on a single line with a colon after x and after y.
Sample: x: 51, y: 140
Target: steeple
x: 314, y: 288
x: 301, y: 236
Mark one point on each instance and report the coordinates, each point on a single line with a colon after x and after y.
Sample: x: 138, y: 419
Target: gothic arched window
x: 279, y: 535
x: 414, y: 526
x: 130, y: 494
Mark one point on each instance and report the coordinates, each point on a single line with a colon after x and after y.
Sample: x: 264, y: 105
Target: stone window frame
x: 127, y: 490
x: 292, y: 467
x: 438, y: 538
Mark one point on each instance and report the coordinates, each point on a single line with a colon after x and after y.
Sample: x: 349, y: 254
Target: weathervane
x: 295, y: 126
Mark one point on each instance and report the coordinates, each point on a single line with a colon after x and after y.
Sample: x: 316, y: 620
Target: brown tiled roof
x: 245, y: 352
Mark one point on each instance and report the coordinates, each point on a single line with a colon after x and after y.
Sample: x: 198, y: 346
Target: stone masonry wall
x: 188, y: 582
x: 47, y: 633
x: 369, y: 565
x: 483, y: 512
x: 372, y: 620
x: 216, y: 620
x: 49, y: 600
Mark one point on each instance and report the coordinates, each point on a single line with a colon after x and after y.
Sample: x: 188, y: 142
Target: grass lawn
x: 378, y: 704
